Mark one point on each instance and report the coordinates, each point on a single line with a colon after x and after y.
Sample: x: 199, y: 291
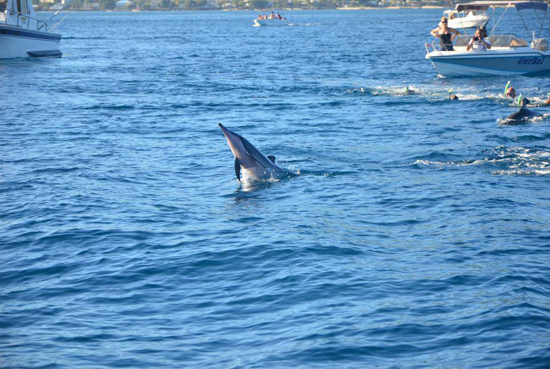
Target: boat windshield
x: 22, y: 7
x: 495, y: 41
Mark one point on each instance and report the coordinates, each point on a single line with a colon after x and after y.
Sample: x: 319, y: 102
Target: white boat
x: 275, y: 22
x: 508, y: 54
x: 23, y: 35
x: 464, y: 20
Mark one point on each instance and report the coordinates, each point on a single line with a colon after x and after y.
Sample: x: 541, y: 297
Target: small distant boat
x: 463, y: 20
x: 56, y: 7
x: 23, y: 35
x: 508, y: 55
x: 274, y: 22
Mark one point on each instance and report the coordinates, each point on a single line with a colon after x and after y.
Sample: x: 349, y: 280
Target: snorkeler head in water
x: 511, y: 92
x: 408, y: 91
x: 453, y: 97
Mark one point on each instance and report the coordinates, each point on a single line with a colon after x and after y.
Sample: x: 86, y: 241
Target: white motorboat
x: 508, y: 54
x: 23, y: 35
x: 56, y: 7
x: 274, y: 22
x: 464, y: 20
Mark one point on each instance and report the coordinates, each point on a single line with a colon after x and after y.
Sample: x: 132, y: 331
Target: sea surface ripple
x: 413, y: 232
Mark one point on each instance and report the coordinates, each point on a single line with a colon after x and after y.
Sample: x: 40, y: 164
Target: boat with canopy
x: 508, y: 54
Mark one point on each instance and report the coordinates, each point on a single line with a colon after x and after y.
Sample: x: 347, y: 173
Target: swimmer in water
x: 452, y: 96
x: 408, y: 91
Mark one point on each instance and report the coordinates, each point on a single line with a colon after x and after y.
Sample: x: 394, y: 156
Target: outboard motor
x: 540, y: 44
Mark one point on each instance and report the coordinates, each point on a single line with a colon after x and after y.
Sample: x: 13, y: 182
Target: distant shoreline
x: 389, y: 7
x: 253, y: 10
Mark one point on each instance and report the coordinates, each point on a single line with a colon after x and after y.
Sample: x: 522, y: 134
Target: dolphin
x: 522, y: 114
x: 249, y: 158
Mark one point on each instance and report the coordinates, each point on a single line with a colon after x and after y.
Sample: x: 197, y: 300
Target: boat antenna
x: 59, y: 11
x: 58, y: 23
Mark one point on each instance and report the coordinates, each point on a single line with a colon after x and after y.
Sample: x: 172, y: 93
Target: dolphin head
x: 247, y: 156
x: 237, y: 146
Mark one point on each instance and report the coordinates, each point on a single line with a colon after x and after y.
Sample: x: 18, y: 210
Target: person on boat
x: 445, y: 34
x: 477, y: 43
x: 547, y: 102
x: 483, y: 31
x: 272, y: 16
x: 278, y: 16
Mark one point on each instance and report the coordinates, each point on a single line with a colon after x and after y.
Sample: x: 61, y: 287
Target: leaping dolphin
x: 249, y: 158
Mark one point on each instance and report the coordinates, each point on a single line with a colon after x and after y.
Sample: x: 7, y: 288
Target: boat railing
x: 496, y: 41
x: 433, y: 47
x: 428, y: 46
x: 24, y: 21
x: 42, y: 24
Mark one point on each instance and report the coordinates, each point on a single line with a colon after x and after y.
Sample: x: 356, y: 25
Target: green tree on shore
x: 259, y: 4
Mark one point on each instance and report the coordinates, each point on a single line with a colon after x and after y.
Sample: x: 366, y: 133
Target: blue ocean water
x: 413, y: 233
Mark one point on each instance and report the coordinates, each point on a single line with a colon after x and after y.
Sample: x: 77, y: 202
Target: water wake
x: 502, y: 160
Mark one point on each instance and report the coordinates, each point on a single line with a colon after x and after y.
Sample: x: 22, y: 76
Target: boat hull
x: 469, y: 22
x: 490, y: 63
x: 270, y: 23
x: 16, y: 42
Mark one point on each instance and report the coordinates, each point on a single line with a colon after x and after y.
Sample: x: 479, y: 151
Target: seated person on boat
x: 478, y: 44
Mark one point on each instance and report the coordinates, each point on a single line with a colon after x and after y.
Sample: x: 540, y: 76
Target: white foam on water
x: 515, y: 160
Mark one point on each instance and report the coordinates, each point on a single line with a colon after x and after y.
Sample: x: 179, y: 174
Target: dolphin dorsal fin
x: 272, y: 158
x: 238, y: 169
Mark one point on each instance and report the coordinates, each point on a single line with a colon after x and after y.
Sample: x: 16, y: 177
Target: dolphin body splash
x: 522, y: 115
x: 250, y: 159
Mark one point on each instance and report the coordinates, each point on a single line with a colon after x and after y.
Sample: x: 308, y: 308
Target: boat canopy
x: 484, y: 5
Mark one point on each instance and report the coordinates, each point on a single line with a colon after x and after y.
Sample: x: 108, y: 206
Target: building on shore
x: 91, y: 6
